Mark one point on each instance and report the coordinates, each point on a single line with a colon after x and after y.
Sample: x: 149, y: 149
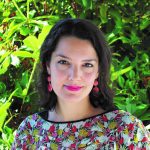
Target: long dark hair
x: 82, y: 29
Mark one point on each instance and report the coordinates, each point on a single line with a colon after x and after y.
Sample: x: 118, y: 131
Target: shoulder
x: 125, y: 119
x: 123, y: 122
x: 130, y: 130
x: 27, y: 130
x: 121, y: 116
x: 30, y: 122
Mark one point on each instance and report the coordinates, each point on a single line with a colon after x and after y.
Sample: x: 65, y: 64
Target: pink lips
x: 73, y: 88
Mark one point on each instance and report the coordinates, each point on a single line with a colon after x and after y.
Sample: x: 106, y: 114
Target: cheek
x: 89, y: 78
x: 57, y: 74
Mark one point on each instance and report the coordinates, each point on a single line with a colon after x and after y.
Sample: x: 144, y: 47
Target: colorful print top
x: 115, y: 130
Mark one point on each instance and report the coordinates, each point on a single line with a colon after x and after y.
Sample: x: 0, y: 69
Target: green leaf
x: 116, y: 74
x: 124, y: 39
x: 145, y: 22
x: 12, y: 29
x: 117, y: 18
x: 145, y: 58
x: 87, y: 4
x: 3, y: 113
x: 120, y: 102
x: 32, y: 13
x: 72, y: 13
x: 142, y: 107
x: 132, y: 86
x: 19, y: 89
x: 134, y: 38
x: 24, y: 31
x: 6, y: 13
x: 119, y: 98
x: 127, y: 83
x: 2, y: 87
x: 3, y: 55
x: 121, y: 2
x: 121, y: 81
x: 32, y: 42
x: 131, y: 74
x: 25, y: 79
x: 1, y: 5
x: 3, y: 110
x: 7, y: 130
x: 125, y: 62
x: 121, y: 106
x: 43, y: 34
x: 20, y: 13
x: 145, y: 116
x: 111, y: 38
x: 103, y: 13
x: 131, y: 108
x: 39, y: 22
x: 8, y: 136
x: 4, y: 66
x: 23, y: 54
x: 6, y: 62
x: 142, y: 96
x: 24, y: 92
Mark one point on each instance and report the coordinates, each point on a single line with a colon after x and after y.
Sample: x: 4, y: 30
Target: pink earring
x: 95, y: 88
x: 49, y: 84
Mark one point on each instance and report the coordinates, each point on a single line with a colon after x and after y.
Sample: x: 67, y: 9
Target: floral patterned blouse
x: 115, y: 130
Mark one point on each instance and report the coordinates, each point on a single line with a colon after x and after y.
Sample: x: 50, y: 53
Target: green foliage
x: 25, y: 24
x: 129, y: 95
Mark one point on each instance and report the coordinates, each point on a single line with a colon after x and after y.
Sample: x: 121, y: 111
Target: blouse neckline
x: 44, y: 115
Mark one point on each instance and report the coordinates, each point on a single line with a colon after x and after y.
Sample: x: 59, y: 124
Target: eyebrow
x: 63, y: 56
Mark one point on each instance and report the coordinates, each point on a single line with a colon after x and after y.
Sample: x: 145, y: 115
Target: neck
x: 75, y: 111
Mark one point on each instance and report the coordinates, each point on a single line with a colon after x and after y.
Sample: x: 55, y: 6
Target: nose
x: 74, y: 73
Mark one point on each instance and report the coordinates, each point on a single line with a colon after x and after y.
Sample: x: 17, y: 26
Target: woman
x: 79, y: 110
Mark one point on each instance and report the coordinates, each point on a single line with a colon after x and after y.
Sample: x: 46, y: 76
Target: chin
x: 71, y: 98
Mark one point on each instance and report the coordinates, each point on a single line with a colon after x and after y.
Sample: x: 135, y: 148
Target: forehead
x: 71, y: 46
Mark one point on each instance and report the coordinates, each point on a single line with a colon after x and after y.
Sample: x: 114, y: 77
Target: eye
x: 88, y: 65
x: 63, y: 62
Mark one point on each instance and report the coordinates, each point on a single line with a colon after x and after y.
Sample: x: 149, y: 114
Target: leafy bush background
x: 23, y: 27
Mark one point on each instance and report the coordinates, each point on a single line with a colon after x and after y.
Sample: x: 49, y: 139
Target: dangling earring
x: 49, y: 84
x: 95, y: 88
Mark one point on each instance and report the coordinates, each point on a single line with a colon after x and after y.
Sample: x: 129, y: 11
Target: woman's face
x: 73, y: 69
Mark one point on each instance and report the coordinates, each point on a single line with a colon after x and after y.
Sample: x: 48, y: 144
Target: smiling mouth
x: 73, y: 88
